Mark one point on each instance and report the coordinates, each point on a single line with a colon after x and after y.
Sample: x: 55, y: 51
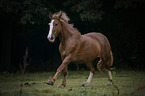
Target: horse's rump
x: 105, y: 52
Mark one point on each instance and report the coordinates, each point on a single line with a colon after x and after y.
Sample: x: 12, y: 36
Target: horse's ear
x: 59, y: 14
x: 50, y: 15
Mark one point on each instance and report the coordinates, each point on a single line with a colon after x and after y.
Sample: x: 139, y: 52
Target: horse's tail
x: 106, y: 59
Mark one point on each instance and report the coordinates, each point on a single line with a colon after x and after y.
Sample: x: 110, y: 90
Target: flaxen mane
x: 63, y: 17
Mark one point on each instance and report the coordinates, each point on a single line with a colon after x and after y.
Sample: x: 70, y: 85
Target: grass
x: 130, y: 83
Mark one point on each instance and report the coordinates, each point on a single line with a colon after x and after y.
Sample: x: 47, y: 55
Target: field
x: 129, y: 83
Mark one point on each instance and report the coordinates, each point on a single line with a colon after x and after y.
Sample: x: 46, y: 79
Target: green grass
x: 130, y: 83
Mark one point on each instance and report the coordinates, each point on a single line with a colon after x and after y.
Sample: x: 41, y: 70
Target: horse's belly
x: 85, y: 56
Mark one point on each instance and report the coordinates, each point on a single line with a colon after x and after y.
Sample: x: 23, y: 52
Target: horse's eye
x: 56, y: 24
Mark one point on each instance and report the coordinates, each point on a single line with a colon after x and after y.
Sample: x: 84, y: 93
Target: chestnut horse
x: 77, y: 48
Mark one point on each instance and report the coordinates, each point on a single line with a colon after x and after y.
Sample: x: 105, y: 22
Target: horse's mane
x: 66, y: 19
x: 63, y: 16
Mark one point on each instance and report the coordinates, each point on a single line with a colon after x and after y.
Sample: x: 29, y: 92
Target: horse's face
x: 55, y: 28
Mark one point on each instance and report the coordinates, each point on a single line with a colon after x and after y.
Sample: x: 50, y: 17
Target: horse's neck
x: 68, y: 33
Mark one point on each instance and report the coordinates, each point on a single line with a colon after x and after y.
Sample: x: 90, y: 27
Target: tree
x: 24, y: 11
x: 14, y: 13
x: 92, y: 10
x: 129, y: 3
x: 89, y: 10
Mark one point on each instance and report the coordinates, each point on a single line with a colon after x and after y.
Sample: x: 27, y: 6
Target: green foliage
x: 129, y: 3
x: 89, y: 10
x: 36, y: 11
x: 27, y: 11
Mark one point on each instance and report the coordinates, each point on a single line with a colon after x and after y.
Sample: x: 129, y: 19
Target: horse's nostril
x: 51, y: 38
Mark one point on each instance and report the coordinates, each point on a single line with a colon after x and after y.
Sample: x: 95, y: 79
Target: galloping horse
x: 77, y: 48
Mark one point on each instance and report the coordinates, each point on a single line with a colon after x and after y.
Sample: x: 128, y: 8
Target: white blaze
x: 90, y: 77
x: 50, y: 30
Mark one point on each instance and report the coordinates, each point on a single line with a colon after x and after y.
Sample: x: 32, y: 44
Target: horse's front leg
x: 64, y: 78
x: 64, y: 64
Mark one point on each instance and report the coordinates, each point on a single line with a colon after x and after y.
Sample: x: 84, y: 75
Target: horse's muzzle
x: 51, y: 38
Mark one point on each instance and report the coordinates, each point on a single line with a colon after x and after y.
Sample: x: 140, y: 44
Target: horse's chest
x: 64, y: 51
x: 69, y: 48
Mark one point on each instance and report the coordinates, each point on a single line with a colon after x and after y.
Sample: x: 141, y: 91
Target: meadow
x: 128, y: 83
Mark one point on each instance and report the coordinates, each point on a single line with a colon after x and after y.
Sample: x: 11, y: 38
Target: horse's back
x: 94, y: 38
x: 103, y: 43
x: 99, y: 38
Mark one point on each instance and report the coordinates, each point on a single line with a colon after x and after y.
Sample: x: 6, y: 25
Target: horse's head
x: 55, y: 26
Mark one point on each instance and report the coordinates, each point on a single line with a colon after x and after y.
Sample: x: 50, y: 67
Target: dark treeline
x: 24, y: 23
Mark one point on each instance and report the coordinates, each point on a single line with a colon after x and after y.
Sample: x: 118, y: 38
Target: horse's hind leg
x: 108, y: 60
x: 109, y: 64
x: 92, y: 70
x: 109, y: 78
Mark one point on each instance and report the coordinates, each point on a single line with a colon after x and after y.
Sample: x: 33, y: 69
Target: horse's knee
x: 58, y: 70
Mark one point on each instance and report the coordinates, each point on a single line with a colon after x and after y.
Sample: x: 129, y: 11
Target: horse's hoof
x: 109, y: 83
x: 85, y: 84
x: 50, y: 83
x: 61, y: 86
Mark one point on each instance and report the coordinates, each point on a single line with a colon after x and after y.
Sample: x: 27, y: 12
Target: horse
x: 79, y: 49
